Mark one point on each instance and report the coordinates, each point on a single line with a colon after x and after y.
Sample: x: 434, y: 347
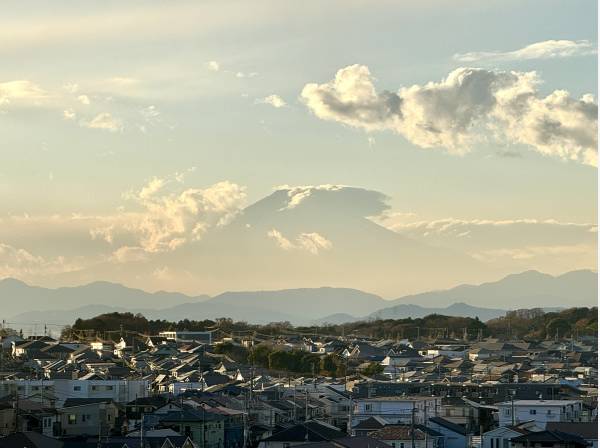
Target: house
x: 188, y: 336
x: 81, y: 416
x: 407, y: 436
x: 6, y: 341
x: 539, y: 411
x: 455, y: 436
x: 368, y: 426
x: 204, y: 428
x: 501, y: 437
x: 309, y: 431
x: 396, y: 409
x: 549, y: 439
x: 28, y: 349
x: 587, y: 431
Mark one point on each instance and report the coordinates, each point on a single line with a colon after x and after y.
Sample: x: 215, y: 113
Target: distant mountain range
x: 22, y: 303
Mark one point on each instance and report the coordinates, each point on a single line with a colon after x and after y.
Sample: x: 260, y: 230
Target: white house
x: 501, y: 437
x: 188, y: 336
x: 396, y: 409
x: 455, y: 436
x: 539, y: 411
x: 120, y: 391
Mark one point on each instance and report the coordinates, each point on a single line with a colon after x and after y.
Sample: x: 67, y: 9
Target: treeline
x: 274, y: 357
x: 529, y: 324
x: 537, y: 325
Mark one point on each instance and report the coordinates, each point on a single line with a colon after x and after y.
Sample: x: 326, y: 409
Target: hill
x: 524, y: 290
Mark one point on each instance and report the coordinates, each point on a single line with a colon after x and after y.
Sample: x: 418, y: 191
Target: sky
x: 132, y: 132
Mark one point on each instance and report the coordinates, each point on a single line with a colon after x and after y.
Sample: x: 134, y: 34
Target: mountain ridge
x: 303, y: 305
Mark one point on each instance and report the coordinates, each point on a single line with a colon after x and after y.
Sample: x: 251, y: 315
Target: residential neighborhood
x: 222, y: 389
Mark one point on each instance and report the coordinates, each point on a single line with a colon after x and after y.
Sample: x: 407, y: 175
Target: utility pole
x: 350, y: 409
x: 306, y: 404
x: 142, y: 431
x: 412, y: 425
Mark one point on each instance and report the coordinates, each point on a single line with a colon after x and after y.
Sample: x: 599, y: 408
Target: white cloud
x: 533, y: 252
x: 299, y: 193
x: 21, y: 90
x: 19, y: 263
x: 246, y: 75
x: 69, y: 114
x: 547, y: 245
x: 127, y: 254
x: 548, y: 49
x: 213, y: 66
x: 274, y: 100
x: 168, y: 217
x: 104, y: 121
x: 312, y: 243
x: 84, y: 99
x: 281, y: 241
x: 467, y: 106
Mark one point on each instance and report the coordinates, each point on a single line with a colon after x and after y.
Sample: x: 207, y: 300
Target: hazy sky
x: 131, y: 130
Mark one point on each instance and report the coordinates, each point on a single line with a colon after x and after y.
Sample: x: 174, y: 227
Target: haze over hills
x: 17, y: 297
x: 24, y: 303
x: 524, y: 290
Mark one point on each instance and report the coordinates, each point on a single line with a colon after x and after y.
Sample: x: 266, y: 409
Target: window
x: 109, y: 388
x: 368, y: 407
x: 94, y: 387
x: 532, y: 411
x: 549, y: 412
x: 401, y: 444
x: 393, y: 445
x: 76, y: 388
x: 507, y: 412
x: 72, y: 419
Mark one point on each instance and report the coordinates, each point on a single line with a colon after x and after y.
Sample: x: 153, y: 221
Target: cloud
x: 547, y: 245
x: 19, y: 263
x: 84, y: 99
x: 21, y: 90
x: 213, y: 66
x: 274, y: 100
x: 105, y: 121
x: 467, y: 107
x: 127, y: 254
x: 69, y: 114
x: 168, y: 217
x: 533, y: 252
x: 246, y: 75
x: 281, y: 241
x: 312, y: 243
x: 548, y: 49
x: 299, y: 193
x: 163, y: 273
